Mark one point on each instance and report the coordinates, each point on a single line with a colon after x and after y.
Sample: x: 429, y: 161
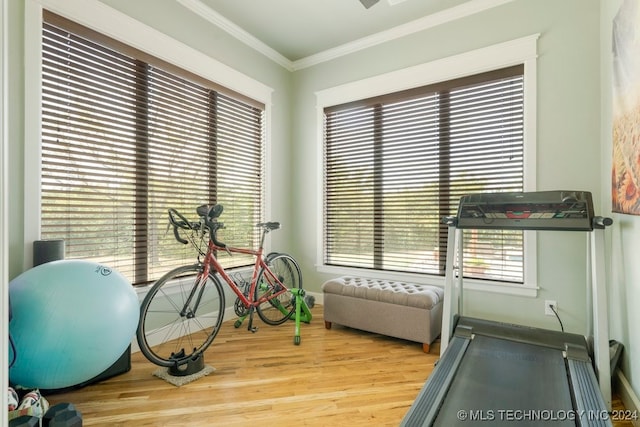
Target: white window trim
x: 106, y: 20
x: 4, y: 202
x: 513, y: 52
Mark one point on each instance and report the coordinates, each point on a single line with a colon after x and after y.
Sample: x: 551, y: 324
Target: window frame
x: 101, y: 18
x: 514, y: 52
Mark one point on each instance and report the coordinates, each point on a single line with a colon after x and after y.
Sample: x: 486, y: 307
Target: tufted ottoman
x: 402, y: 310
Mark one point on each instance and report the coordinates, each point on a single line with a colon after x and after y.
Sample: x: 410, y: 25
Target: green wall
x: 573, y: 140
x: 174, y: 20
x: 573, y: 152
x: 567, y: 129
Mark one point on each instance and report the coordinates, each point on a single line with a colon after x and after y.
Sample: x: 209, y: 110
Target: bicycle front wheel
x: 283, y: 270
x: 180, y: 316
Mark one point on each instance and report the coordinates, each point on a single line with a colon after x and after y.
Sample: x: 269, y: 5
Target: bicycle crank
x: 240, y: 309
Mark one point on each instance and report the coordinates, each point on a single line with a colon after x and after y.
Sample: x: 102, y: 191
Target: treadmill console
x: 538, y: 210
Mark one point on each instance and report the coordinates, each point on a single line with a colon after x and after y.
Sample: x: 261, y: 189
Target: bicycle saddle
x: 211, y: 212
x: 269, y: 225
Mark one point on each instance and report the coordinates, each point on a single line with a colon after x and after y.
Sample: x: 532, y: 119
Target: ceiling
x: 294, y: 31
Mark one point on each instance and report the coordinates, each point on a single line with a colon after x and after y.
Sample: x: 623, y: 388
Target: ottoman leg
x: 425, y: 347
x: 327, y: 324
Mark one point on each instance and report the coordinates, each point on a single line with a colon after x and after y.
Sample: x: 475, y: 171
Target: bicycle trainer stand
x: 303, y: 314
x: 192, y: 365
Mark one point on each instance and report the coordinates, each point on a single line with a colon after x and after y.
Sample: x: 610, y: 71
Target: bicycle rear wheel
x: 180, y: 316
x: 277, y: 310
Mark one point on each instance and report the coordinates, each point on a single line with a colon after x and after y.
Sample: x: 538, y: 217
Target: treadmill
x: 493, y: 373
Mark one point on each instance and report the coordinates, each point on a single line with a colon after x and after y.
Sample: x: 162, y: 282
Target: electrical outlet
x: 547, y: 307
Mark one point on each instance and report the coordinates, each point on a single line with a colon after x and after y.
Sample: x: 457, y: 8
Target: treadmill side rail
x: 590, y: 405
x: 424, y: 409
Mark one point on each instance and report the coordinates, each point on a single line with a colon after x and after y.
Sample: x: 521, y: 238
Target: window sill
x: 469, y: 284
x: 523, y: 290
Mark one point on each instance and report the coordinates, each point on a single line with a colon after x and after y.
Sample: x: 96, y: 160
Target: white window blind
x: 124, y: 138
x: 396, y: 164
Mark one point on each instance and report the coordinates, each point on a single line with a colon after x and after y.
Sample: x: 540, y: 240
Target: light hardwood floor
x: 334, y: 377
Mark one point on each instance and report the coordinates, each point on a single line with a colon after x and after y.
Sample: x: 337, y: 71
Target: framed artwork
x: 625, y: 171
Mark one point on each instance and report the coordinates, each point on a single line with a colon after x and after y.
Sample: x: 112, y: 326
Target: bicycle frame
x: 211, y: 261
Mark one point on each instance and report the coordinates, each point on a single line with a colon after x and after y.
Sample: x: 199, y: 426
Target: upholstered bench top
x: 400, y: 293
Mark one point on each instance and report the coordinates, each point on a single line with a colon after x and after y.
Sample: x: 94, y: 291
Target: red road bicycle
x: 182, y: 312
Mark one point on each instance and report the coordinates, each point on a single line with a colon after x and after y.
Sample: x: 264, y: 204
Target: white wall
x: 624, y: 285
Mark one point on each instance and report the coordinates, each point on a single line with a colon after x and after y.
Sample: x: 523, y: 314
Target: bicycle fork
x: 187, y: 311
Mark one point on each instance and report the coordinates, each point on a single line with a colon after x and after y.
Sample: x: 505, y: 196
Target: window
x: 396, y: 164
x: 126, y: 136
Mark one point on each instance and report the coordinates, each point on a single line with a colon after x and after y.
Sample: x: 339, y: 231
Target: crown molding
x: 223, y: 23
x: 420, y: 24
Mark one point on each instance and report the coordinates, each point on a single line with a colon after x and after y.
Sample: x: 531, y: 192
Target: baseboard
x: 229, y: 314
x: 319, y: 297
x: 627, y: 395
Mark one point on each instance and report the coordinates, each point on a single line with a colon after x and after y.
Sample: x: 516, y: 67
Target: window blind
x: 396, y: 164
x: 124, y: 139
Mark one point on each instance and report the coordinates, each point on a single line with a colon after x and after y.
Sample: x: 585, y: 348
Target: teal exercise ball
x: 72, y: 320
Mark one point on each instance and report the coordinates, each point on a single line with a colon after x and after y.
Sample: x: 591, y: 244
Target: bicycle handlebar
x: 176, y: 234
x: 208, y: 219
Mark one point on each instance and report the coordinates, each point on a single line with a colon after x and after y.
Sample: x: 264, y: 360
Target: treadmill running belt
x: 507, y: 382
